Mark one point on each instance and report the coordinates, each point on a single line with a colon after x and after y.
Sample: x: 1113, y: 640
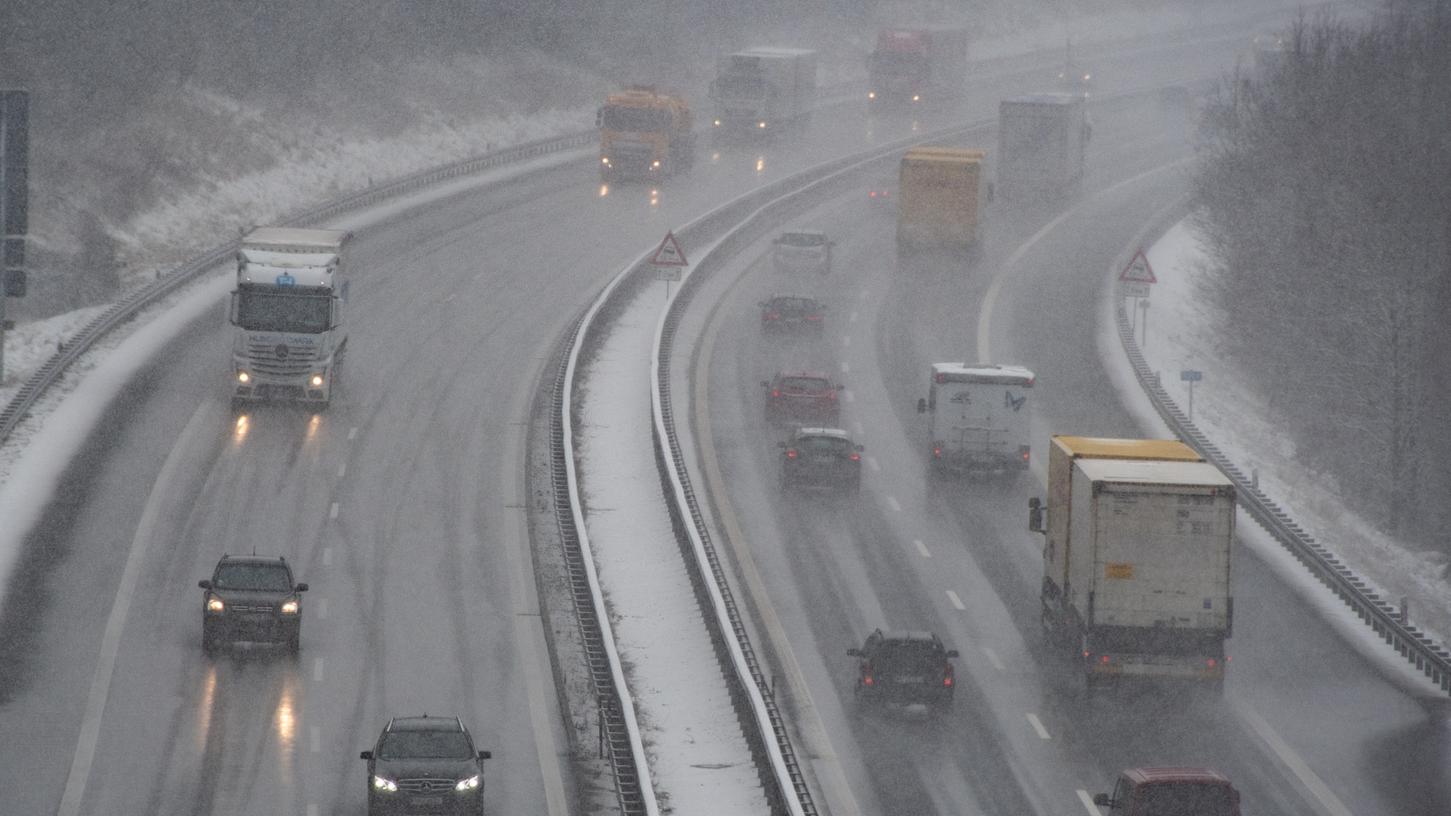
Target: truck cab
x: 977, y: 418
x: 644, y: 133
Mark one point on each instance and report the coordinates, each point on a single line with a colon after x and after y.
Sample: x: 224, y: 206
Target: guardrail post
x: 1405, y: 610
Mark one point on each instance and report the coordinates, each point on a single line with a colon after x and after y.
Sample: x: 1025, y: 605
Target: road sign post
x: 668, y: 260
x: 1137, y: 277
x: 1191, y: 376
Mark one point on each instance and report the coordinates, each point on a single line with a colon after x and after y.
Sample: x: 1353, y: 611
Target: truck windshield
x: 897, y: 64
x: 634, y: 120
x: 296, y: 312
x: 739, y: 87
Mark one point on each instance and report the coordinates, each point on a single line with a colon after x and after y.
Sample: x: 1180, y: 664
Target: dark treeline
x: 1325, y: 190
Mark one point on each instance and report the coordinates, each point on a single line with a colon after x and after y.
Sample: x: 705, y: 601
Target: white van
x: 977, y: 418
x: 799, y: 252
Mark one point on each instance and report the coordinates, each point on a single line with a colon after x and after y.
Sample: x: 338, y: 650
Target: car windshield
x: 425, y: 744
x: 908, y: 656
x: 824, y: 444
x: 803, y: 239
x: 1185, y: 799
x: 263, y: 577
x: 804, y: 384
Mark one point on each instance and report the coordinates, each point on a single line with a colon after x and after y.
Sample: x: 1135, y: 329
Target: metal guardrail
x: 50, y: 371
x: 1428, y: 656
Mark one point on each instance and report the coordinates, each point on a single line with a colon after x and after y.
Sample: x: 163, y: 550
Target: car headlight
x: 214, y: 604
x: 383, y: 784
x: 316, y: 381
x: 467, y: 784
x: 290, y: 607
x: 243, y: 377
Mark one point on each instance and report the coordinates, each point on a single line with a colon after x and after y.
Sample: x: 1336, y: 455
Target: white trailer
x: 977, y: 418
x: 761, y: 91
x: 1042, y: 141
x: 1137, y: 567
x: 287, y: 310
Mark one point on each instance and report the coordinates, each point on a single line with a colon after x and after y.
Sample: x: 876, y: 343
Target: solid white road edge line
x: 332, y: 512
x: 1088, y: 802
x: 1328, y: 801
x: 992, y: 657
x: 1038, y: 725
x: 75, y: 786
x: 317, y: 670
x: 956, y: 601
x: 922, y: 548
x: 327, y: 556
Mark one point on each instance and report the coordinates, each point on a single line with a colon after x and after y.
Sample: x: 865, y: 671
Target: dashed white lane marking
x: 322, y: 608
x: 315, y: 737
x: 992, y: 657
x: 922, y: 548
x: 956, y: 601
x: 851, y: 318
x: 1313, y: 783
x: 327, y: 556
x: 317, y: 670
x: 1038, y: 726
x: 332, y: 512
x: 846, y: 341
x: 872, y: 463
x: 892, y: 502
x: 353, y: 433
x: 845, y: 367
x: 342, y: 470
x: 1088, y: 802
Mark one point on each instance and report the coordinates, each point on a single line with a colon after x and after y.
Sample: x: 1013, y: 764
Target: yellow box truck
x: 939, y: 198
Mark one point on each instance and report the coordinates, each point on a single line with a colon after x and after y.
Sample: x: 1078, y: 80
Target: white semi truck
x: 977, y: 418
x: 1042, y: 142
x: 287, y: 310
x: 761, y: 91
x: 1137, y: 558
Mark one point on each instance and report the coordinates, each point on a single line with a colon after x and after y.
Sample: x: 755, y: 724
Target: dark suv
x: 252, y: 598
x: 425, y: 765
x: 821, y: 457
x: 791, y: 312
x: 1152, y: 791
x: 802, y: 395
x: 905, y: 667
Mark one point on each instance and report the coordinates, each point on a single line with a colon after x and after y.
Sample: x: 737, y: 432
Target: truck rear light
x: 937, y: 454
x: 1104, y: 659
x: 856, y: 457
x: 790, y: 453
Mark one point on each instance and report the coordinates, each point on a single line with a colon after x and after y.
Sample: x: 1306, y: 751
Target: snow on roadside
x: 1183, y: 330
x: 698, y: 757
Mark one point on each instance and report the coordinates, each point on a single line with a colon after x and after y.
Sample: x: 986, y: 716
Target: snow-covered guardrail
x: 1384, y: 619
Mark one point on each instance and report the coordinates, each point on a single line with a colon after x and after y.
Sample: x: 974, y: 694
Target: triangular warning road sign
x: 669, y: 253
x: 1138, y: 270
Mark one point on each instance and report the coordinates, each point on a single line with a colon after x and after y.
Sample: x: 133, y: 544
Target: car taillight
x: 773, y: 316
x: 1024, y: 451
x: 867, y: 678
x: 936, y: 451
x: 813, y: 317
x: 1211, y: 663
x: 775, y: 393
x: 947, y: 677
x: 831, y: 395
x: 790, y: 453
x: 856, y: 457
x: 1104, y: 659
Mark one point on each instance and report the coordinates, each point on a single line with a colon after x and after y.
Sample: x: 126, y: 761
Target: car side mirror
x: 300, y: 588
x: 921, y: 405
x: 366, y: 755
x: 486, y: 755
x: 204, y: 584
x: 854, y: 653
x: 1102, y: 800
x: 952, y: 653
x: 1035, y: 514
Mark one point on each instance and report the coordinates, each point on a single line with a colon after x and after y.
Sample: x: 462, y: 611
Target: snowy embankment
x: 1182, y: 332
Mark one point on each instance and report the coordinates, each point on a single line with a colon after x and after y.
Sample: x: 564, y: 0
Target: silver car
x: 800, y: 252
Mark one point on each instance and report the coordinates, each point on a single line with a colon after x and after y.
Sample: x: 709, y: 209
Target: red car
x: 807, y: 396
x: 1149, y: 791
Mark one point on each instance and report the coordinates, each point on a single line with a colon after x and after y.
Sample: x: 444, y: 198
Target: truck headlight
x: 871, y: 94
x: 655, y: 164
x: 761, y: 124
x: 316, y: 381
x: 605, y: 160
x: 214, y: 604
x: 467, y: 784
x: 383, y: 784
x: 290, y: 607
x: 717, y: 123
x: 243, y: 377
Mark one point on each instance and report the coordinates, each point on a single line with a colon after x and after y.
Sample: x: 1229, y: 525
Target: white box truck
x: 1137, y: 560
x: 761, y: 91
x: 287, y: 310
x: 977, y: 418
x: 1042, y: 141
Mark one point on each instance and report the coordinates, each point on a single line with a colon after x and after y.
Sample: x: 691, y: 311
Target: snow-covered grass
x: 1184, y: 331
